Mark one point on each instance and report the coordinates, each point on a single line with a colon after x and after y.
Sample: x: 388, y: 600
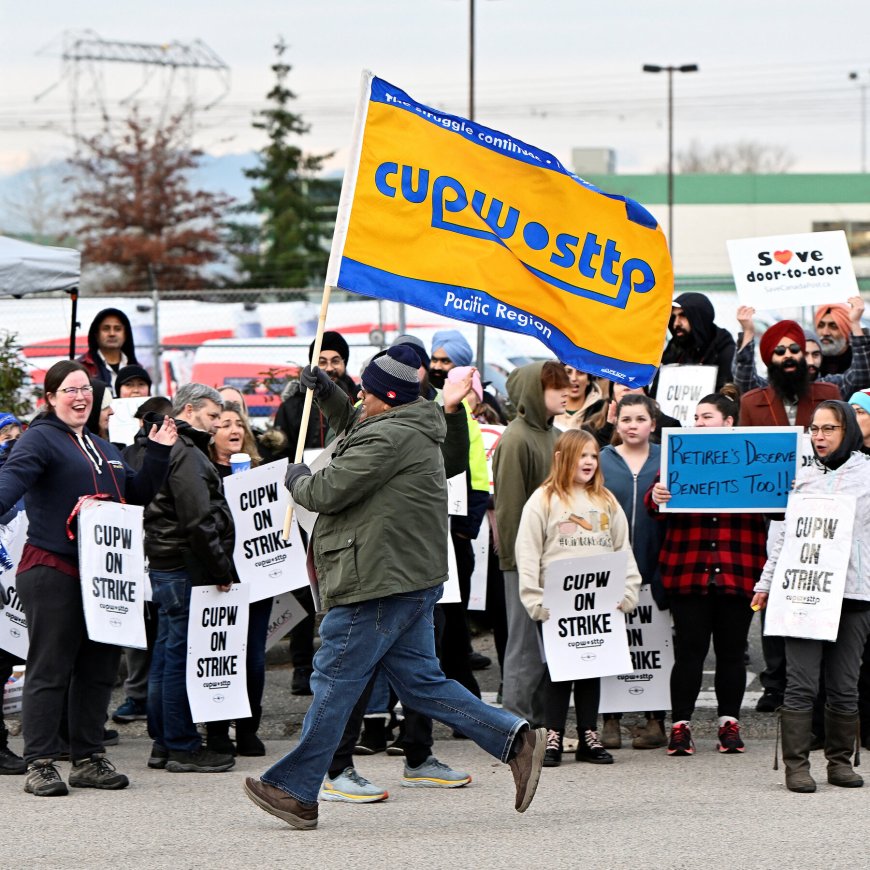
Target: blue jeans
x: 379, y: 700
x: 169, y: 720
x: 399, y: 634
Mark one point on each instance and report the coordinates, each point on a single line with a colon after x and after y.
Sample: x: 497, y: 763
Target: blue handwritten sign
x: 747, y: 469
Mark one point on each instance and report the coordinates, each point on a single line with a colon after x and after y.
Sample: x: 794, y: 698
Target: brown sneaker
x: 278, y: 803
x: 526, y: 766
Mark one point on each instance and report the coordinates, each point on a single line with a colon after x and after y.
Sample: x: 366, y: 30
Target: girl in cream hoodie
x: 571, y: 515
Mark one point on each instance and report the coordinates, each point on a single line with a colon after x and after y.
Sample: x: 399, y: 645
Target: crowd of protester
x: 575, y: 473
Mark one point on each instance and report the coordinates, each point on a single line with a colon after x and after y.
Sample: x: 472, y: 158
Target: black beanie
x: 331, y: 341
x: 392, y: 376
x: 127, y: 373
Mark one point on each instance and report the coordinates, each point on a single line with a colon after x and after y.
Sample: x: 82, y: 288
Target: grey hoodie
x: 522, y: 458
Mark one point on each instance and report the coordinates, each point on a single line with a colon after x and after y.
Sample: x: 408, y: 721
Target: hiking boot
x: 301, y: 683
x: 279, y: 804
x: 374, y: 735
x: 651, y: 736
x: 220, y: 743
x: 681, y: 742
x: 249, y: 745
x: 352, y: 788
x: 433, y: 773
x: 730, y: 741
x: 132, y: 710
x: 96, y: 772
x: 526, y: 765
x: 589, y: 749
x: 611, y: 734
x: 553, y: 753
x: 158, y: 758
x: 199, y: 761
x: 769, y: 702
x: 43, y: 780
x: 10, y: 763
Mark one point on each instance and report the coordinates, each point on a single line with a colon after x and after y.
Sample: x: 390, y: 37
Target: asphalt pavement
x: 645, y: 811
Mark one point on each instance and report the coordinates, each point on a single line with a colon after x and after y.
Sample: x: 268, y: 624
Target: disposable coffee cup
x: 240, y: 462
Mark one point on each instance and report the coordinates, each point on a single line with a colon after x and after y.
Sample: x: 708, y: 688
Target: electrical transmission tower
x: 169, y: 80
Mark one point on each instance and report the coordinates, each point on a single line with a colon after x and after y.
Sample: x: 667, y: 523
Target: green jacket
x: 522, y: 458
x: 382, y: 503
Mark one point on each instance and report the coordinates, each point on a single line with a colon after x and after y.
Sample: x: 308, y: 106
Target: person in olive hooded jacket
x: 522, y: 459
x: 380, y: 551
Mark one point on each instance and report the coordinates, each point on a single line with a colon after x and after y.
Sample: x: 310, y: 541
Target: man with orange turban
x: 790, y: 396
x: 854, y: 378
x: 835, y: 325
x: 787, y: 400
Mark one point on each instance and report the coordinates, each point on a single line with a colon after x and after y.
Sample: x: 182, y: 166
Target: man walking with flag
x: 379, y: 580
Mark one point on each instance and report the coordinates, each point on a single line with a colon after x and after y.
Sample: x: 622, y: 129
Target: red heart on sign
x: 782, y: 256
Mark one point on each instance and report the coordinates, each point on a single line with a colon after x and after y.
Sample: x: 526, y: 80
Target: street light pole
x: 470, y: 60
x: 670, y: 70
x: 863, y: 86
x: 481, y: 330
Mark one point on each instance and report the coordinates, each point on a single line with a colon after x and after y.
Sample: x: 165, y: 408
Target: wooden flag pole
x: 309, y: 397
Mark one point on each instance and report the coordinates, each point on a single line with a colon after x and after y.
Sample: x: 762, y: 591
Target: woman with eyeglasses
x: 55, y: 464
x: 840, y: 468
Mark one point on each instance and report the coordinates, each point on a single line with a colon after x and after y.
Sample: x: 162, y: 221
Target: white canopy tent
x: 27, y: 268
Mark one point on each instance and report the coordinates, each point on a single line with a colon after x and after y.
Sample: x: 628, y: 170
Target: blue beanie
x: 392, y: 376
x: 862, y: 399
x: 7, y: 419
x: 455, y: 346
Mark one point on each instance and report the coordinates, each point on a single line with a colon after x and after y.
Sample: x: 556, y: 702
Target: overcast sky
x: 557, y: 73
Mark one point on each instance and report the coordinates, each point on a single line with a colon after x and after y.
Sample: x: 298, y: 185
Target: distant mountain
x: 223, y: 174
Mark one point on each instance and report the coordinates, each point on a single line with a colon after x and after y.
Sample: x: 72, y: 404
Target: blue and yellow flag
x: 453, y: 217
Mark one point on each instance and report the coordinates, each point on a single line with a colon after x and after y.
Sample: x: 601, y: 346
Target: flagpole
x: 309, y: 397
x: 345, y: 202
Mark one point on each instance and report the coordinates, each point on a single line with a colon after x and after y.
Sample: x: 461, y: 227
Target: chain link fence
x: 255, y: 339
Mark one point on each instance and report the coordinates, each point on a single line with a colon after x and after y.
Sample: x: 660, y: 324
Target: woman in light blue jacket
x: 839, y: 468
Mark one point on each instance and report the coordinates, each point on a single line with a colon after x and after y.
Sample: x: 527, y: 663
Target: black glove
x: 295, y: 470
x: 316, y: 379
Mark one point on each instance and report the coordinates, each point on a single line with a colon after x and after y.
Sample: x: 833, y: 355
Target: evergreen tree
x: 288, y: 248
